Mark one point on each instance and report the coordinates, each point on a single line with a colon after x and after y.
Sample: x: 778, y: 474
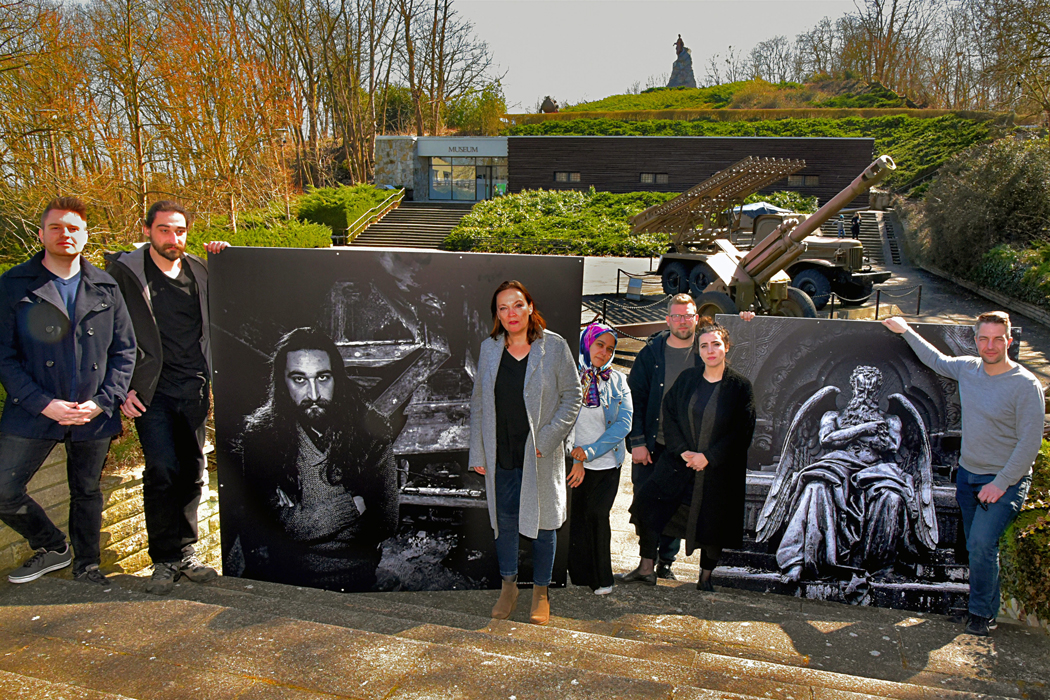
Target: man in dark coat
x: 666, y: 355
x: 67, y: 351
x: 319, y: 472
x: 166, y: 290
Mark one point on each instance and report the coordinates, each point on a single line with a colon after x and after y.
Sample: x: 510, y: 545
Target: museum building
x: 471, y: 169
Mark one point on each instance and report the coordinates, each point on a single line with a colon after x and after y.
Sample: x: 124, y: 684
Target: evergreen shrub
x: 559, y: 222
x: 1025, y: 546
x: 338, y: 207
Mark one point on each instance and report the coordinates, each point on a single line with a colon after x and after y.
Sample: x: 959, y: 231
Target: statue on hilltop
x: 682, y: 70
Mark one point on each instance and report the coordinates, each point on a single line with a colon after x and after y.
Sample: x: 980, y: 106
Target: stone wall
x: 123, y: 522
x: 395, y: 161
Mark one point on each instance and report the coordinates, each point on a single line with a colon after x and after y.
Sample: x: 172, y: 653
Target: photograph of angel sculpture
x: 853, y: 489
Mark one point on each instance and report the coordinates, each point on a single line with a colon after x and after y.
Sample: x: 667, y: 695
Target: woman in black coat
x: 709, y: 420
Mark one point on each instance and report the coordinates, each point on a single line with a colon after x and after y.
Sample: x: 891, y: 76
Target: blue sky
x: 577, y: 50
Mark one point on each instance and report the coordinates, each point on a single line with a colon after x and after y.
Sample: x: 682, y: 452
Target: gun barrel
x: 872, y: 175
x: 783, y: 244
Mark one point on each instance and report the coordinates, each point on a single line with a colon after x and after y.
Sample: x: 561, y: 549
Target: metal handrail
x: 373, y: 214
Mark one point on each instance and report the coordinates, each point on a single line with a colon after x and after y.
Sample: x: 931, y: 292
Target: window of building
x: 653, y: 178
x: 564, y: 176
x: 803, y: 180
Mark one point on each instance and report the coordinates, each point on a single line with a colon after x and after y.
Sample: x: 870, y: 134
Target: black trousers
x: 590, y: 536
x: 172, y: 435
x: 640, y: 473
x: 20, y: 458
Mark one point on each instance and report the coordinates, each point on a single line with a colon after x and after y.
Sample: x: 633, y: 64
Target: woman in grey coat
x: 525, y: 401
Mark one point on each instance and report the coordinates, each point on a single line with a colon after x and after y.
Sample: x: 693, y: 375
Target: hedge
x: 1025, y: 546
x: 559, y: 222
x: 338, y: 207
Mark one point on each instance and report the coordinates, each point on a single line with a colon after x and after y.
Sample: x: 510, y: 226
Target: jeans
x: 983, y: 525
x: 172, y: 435
x: 508, y: 499
x: 20, y: 458
x: 668, y: 547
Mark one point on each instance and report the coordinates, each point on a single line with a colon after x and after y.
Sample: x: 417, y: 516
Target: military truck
x: 724, y: 279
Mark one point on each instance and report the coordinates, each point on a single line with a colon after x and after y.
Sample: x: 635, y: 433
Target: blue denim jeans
x: 983, y: 525
x: 20, y: 458
x: 172, y: 435
x: 508, y: 500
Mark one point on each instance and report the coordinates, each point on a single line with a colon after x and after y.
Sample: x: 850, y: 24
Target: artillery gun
x: 722, y: 278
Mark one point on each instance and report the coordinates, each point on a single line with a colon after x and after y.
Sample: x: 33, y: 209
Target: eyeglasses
x: 680, y: 317
x: 984, y: 506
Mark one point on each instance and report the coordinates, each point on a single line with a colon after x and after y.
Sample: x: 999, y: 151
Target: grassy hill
x: 753, y: 94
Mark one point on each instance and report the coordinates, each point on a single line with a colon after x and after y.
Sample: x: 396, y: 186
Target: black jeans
x: 20, y: 458
x: 640, y: 473
x: 172, y: 435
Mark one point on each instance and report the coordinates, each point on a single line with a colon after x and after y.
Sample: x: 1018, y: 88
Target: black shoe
x: 705, y: 586
x: 663, y: 570
x: 980, y: 626
x: 636, y: 577
x: 92, y: 575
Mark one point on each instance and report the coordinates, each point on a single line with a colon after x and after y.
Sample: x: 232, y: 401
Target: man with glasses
x: 1002, y: 427
x: 665, y: 356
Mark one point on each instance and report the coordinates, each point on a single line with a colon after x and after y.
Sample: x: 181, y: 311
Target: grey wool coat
x: 552, y: 402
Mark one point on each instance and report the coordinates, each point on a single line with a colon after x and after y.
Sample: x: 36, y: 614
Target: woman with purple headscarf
x: 598, y: 452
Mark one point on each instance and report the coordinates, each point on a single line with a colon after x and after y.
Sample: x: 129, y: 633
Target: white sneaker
x: 604, y: 590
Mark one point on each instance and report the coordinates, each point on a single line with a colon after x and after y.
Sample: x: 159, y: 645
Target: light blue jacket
x: 616, y: 401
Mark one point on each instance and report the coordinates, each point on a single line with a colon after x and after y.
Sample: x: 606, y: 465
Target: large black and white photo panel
x: 342, y: 410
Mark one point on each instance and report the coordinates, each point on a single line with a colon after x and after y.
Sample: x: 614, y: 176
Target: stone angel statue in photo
x: 854, y: 488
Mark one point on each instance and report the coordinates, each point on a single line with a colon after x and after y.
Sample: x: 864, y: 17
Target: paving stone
x: 664, y: 653
x: 17, y: 687
x: 491, y: 676
x: 269, y: 691
x: 102, y: 669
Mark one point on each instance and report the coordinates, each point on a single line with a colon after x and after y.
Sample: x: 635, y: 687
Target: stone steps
x: 413, y: 226
x: 240, y: 638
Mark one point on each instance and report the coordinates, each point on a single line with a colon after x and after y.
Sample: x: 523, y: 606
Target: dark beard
x: 171, y: 252
x: 861, y: 409
x: 314, y: 416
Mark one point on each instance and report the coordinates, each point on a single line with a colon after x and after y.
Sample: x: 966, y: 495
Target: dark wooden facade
x: 615, y: 163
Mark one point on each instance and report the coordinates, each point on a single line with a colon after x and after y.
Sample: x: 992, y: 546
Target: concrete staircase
x: 235, y: 638
x: 870, y: 235
x: 414, y: 225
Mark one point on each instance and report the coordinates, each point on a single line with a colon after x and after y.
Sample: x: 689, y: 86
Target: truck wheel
x: 675, y: 278
x: 815, y: 284
x: 711, y: 303
x: 853, y: 294
x: 797, y: 305
x: 699, y: 277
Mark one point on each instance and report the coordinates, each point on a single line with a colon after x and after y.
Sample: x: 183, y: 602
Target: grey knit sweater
x: 1002, y: 416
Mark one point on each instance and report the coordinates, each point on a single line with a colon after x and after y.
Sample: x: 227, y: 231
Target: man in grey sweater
x: 1002, y: 427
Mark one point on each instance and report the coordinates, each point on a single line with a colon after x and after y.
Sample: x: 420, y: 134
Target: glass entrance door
x: 464, y: 185
x: 484, y: 173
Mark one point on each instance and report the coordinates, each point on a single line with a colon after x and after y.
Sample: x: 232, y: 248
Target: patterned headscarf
x: 589, y: 375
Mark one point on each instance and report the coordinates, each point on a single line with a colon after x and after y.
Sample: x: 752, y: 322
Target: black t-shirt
x: 176, y: 306
x: 512, y: 421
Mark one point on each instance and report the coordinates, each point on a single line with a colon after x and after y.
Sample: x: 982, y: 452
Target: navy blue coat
x: 34, y: 327
x: 646, y: 381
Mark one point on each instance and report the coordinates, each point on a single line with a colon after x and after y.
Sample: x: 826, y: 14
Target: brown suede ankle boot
x: 508, y: 599
x: 541, y: 606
